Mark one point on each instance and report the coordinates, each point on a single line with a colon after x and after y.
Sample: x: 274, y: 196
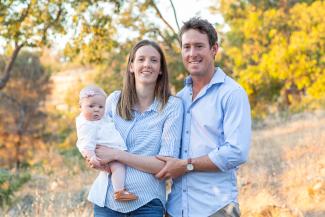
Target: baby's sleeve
x: 86, y: 133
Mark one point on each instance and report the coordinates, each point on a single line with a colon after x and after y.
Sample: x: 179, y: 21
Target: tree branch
x: 161, y: 35
x: 153, y: 4
x: 9, y: 65
x: 52, y: 23
x: 10, y: 98
x: 174, y: 12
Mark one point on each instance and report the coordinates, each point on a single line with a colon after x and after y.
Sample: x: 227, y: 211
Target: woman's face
x: 146, y: 65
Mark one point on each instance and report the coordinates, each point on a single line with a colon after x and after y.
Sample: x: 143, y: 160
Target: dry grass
x: 58, y: 188
x: 285, y: 176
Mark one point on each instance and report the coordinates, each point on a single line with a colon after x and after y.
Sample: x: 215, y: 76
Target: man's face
x: 198, y: 57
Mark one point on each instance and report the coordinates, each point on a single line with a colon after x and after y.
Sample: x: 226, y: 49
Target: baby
x: 94, y: 128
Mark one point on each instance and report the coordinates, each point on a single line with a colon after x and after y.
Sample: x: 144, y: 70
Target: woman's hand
x: 106, y: 154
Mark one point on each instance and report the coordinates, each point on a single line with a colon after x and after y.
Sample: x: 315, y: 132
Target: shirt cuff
x: 217, y: 160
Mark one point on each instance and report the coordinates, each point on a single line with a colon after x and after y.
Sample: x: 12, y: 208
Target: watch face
x: 189, y: 167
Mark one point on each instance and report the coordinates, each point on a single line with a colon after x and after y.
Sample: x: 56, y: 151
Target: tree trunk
x: 17, y: 154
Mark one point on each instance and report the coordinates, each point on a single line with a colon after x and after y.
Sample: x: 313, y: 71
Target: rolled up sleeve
x: 237, y: 132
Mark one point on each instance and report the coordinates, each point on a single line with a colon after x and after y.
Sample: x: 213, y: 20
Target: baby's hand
x: 94, y: 161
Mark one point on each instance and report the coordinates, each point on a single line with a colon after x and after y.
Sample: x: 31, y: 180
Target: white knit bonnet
x: 91, y: 90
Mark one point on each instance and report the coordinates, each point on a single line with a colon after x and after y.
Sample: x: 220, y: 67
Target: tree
x: 104, y: 47
x: 276, y: 50
x: 31, y: 24
x: 142, y: 17
x: 21, y: 109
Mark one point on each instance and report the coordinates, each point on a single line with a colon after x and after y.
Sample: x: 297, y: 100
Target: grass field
x: 285, y: 175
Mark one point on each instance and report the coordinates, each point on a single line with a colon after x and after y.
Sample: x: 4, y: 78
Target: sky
x: 185, y: 9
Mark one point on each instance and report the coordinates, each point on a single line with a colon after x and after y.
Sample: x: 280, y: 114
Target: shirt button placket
x: 185, y: 156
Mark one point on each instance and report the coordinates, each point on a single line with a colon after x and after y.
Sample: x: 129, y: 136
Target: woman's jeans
x: 152, y: 209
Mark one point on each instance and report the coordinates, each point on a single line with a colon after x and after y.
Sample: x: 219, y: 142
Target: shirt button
x: 188, y: 111
x: 186, y: 131
x: 185, y: 151
x: 184, y: 190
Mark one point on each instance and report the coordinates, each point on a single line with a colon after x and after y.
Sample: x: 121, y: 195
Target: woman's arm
x: 148, y: 164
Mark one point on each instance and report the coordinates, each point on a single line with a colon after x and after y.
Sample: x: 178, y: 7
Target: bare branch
x: 174, y: 12
x: 153, y: 4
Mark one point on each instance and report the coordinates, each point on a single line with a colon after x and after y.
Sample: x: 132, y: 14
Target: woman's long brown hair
x: 128, y: 97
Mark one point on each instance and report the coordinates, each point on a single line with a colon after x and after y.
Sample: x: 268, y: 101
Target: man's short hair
x: 201, y: 25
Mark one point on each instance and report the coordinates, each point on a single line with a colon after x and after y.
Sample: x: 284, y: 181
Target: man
x: 216, y: 132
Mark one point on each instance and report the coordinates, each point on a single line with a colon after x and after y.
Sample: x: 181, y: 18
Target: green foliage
x: 73, y: 159
x: 35, y: 23
x: 27, y: 22
x: 32, y: 22
x: 10, y: 183
x: 94, y: 30
x: 276, y: 51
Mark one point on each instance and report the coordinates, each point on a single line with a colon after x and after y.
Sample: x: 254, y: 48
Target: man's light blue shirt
x: 216, y: 123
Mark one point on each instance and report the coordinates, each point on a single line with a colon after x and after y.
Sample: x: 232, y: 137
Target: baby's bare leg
x: 118, y: 175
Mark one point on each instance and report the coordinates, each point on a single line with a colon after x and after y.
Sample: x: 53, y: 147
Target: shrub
x: 9, y: 183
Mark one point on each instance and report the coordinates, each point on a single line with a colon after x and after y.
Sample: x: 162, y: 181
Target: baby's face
x: 93, y: 107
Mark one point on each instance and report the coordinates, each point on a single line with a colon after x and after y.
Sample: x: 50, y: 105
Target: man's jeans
x: 231, y: 210
x: 152, y: 209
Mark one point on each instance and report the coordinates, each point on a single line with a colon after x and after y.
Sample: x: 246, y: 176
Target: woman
x: 150, y: 122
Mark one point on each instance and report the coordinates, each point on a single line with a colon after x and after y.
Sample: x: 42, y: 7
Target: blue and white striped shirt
x: 153, y: 132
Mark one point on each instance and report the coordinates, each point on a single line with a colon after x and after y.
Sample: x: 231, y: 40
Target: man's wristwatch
x: 189, y: 165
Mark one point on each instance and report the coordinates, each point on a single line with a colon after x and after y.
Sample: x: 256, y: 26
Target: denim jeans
x: 152, y: 209
x: 231, y: 210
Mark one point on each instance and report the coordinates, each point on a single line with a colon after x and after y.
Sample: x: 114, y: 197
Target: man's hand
x: 173, y: 167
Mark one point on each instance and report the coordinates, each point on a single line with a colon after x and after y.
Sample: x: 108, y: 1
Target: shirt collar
x: 218, y: 77
x: 153, y: 107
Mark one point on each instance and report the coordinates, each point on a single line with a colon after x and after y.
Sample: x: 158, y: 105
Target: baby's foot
x: 124, y: 195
